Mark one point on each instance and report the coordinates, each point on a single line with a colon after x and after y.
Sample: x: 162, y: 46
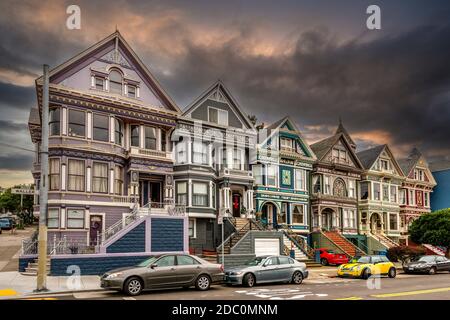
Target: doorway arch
x: 375, y: 223
x: 269, y: 213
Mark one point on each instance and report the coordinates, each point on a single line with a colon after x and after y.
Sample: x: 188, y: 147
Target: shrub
x: 405, y: 253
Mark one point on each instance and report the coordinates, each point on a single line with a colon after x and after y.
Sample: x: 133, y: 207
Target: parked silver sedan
x: 164, y: 271
x: 264, y: 269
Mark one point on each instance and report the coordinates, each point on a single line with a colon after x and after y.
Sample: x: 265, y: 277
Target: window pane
x: 54, y: 121
x: 76, y: 175
x: 118, y: 131
x: 101, y: 127
x: 186, y: 260
x: 166, y: 261
x: 135, y: 135
x: 100, y: 177
x: 200, y: 188
x: 75, y: 219
x: 150, y: 138
x: 54, y: 168
x: 115, y: 82
x: 213, y: 115
x: 118, y: 180
x: 132, y: 91
x: 99, y: 83
x: 77, y: 120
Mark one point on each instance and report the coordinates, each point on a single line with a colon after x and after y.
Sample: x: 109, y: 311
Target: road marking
x: 8, y: 292
x: 280, y: 294
x: 128, y: 298
x: 41, y: 299
x: 350, y: 298
x: 410, y: 293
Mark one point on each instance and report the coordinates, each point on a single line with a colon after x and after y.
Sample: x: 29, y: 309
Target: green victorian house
x: 282, y: 171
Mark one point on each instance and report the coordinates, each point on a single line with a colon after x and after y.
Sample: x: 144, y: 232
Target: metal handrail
x: 300, y: 243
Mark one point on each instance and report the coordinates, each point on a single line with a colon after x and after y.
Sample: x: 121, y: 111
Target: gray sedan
x: 265, y: 269
x: 164, y: 271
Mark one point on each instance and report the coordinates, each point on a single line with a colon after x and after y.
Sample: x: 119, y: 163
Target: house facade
x: 379, y: 193
x: 282, y: 172
x: 335, y: 178
x: 415, y: 195
x: 213, y: 145
x: 110, y: 155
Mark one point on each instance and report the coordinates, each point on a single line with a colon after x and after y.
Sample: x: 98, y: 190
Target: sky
x: 314, y: 60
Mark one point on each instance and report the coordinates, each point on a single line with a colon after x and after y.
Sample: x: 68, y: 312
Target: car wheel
x: 366, y: 274
x: 324, y: 262
x: 249, y: 280
x: 133, y: 286
x: 392, y: 273
x: 432, y: 270
x: 203, y: 282
x: 297, y: 277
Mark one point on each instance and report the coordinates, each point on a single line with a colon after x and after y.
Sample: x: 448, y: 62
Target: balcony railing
x: 134, y: 151
x: 235, y: 172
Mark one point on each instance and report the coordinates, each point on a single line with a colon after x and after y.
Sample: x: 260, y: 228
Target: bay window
x: 135, y: 135
x: 101, y: 127
x: 118, y: 180
x: 376, y: 191
x: 402, y: 196
x: 150, y: 138
x: 364, y: 190
x: 54, y: 121
x: 327, y: 184
x: 181, y: 192
x: 75, y: 219
x: 272, y: 175
x: 100, y: 177
x: 181, y: 154
x: 385, y: 192
x: 258, y: 174
x: 394, y: 194
x: 300, y: 179
x: 349, y: 218
x: 77, y: 123
x: 54, y: 173
x: 199, y: 152
x: 53, y: 218
x: 393, y: 223
x: 200, y: 194
x: 351, y: 188
x: 238, y: 159
x: 298, y: 214
x: 411, y: 197
x: 118, y: 131
x: 76, y: 175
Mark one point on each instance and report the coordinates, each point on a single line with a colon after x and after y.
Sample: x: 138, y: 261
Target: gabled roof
x: 116, y: 38
x: 323, y: 147
x: 218, y: 85
x: 277, y: 125
x: 369, y: 156
x: 409, y: 163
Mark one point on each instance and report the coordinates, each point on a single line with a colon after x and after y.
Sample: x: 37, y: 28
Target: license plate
x: 411, y: 268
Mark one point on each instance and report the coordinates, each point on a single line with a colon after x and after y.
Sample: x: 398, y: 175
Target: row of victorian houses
x: 132, y: 175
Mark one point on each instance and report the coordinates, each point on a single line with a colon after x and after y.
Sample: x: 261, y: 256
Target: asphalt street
x: 404, y: 287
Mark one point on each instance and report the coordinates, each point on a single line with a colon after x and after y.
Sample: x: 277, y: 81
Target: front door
x: 150, y: 192
x: 236, y: 205
x: 95, y: 229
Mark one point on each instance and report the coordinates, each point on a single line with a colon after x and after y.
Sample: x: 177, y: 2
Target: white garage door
x: 265, y: 247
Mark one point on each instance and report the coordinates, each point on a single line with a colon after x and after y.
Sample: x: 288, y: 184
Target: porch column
x: 189, y: 193
x: 250, y: 200
x: 319, y: 218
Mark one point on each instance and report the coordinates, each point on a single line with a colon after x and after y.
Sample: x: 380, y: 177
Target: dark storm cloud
x: 12, y: 96
x: 17, y: 162
x: 12, y: 127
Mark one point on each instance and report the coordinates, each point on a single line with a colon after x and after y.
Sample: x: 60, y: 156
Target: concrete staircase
x: 242, y: 226
x: 299, y: 254
x: 384, y: 240
x: 32, y: 268
x: 341, y: 242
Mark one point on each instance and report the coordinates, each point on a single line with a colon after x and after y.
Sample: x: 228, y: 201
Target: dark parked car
x: 264, y: 269
x: 428, y: 264
x: 164, y: 271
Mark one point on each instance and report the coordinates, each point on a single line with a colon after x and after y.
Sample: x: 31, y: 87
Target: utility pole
x: 43, y: 191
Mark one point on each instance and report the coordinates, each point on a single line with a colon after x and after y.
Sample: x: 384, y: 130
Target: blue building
x: 440, y: 198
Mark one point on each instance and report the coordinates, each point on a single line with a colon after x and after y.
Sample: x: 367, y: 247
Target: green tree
x: 432, y: 228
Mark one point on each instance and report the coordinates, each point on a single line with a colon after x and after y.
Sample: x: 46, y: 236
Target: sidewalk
x: 15, y: 285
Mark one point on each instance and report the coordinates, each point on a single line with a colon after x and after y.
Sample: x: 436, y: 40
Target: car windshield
x: 427, y: 259
x: 148, y: 262
x: 255, y: 262
x: 362, y: 260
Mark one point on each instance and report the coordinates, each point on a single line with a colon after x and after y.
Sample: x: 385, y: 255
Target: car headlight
x: 114, y: 275
x: 357, y: 268
x: 236, y: 273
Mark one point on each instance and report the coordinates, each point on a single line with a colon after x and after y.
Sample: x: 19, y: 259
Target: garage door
x: 267, y: 247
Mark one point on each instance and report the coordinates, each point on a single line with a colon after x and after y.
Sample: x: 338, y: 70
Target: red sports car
x: 328, y: 256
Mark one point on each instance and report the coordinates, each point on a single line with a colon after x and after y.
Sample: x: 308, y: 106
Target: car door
x: 269, y: 271
x: 385, y: 265
x: 285, y: 268
x: 377, y: 267
x: 162, y: 272
x: 442, y: 264
x: 187, y: 269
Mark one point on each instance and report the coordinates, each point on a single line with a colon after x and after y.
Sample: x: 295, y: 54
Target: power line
x: 16, y: 147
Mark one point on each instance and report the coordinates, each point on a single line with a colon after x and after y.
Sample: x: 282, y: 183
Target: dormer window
x: 218, y: 116
x: 287, y: 143
x: 384, y: 164
x: 115, y: 82
x: 419, y: 175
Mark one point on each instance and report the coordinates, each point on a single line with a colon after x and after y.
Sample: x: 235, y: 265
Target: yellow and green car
x: 366, y: 266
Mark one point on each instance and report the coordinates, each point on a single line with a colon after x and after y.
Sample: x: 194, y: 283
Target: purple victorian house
x: 111, y: 192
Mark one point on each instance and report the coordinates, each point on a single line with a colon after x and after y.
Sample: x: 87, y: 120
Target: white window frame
x: 287, y: 143
x: 58, y: 218
x: 258, y: 173
x: 194, y: 228
x: 302, y: 174
x: 220, y: 113
x: 276, y: 175
x: 411, y: 197
x: 380, y: 191
x: 291, y: 218
x: 351, y: 188
x: 326, y: 184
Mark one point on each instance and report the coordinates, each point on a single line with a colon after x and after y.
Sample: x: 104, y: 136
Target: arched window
x: 115, y: 82
x: 339, y: 188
